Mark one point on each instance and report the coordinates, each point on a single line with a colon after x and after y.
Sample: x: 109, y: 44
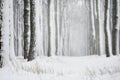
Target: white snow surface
x: 65, y: 68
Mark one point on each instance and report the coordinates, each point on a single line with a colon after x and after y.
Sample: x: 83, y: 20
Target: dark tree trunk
x: 114, y: 25
x: 105, y: 30
x: 32, y: 28
x: 26, y: 26
x: 49, y: 30
x: 1, y: 26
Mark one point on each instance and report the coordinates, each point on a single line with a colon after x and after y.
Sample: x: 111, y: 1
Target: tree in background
x: 49, y: 30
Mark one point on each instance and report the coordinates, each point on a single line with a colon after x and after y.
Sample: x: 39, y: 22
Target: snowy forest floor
x: 64, y: 68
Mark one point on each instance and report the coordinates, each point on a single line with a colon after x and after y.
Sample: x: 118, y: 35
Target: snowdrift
x: 84, y: 67
x: 66, y: 68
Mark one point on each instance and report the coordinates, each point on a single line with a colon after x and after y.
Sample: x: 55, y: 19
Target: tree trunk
x: 108, y: 49
x: 1, y: 26
x: 26, y: 26
x: 49, y: 30
x: 114, y: 26
x: 18, y: 27
x: 105, y: 30
x: 32, y: 28
x: 97, y: 27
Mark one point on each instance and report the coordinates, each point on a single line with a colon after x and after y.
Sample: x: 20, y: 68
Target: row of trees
x: 40, y: 27
x: 111, y: 27
x: 105, y: 21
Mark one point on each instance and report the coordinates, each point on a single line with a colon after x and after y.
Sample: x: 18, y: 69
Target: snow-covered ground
x: 65, y: 68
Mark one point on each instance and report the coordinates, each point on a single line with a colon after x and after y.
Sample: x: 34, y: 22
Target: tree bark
x: 114, y: 27
x: 1, y: 26
x: 105, y: 30
x: 49, y: 30
x: 32, y: 28
x: 108, y: 42
x: 26, y: 26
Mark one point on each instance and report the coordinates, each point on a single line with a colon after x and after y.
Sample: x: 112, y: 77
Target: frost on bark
x: 11, y: 54
x: 114, y: 27
x: 18, y: 26
x: 7, y: 33
x: 41, y: 27
x: 32, y: 29
x: 52, y: 27
x: 26, y: 26
x: 92, y: 29
x: 96, y: 19
x: 1, y: 26
x: 56, y: 25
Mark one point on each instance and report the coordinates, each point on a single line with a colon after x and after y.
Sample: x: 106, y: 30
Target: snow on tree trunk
x: 38, y: 29
x: 56, y: 25
x: 66, y: 29
x: 5, y: 33
x: 18, y: 26
x: 96, y: 19
x: 45, y: 14
x: 108, y: 29
x: 41, y: 53
x: 59, y: 19
x: 12, y: 57
x: 63, y: 28
x: 52, y: 28
x: 92, y: 18
x: 26, y: 27
x: 101, y: 26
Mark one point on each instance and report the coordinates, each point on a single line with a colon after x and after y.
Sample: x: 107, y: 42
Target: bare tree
x: 49, y: 30
x: 114, y: 27
x: 105, y: 30
x: 26, y: 26
x: 32, y: 29
x: 1, y: 20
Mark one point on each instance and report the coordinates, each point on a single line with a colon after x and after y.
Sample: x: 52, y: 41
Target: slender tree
x: 26, y: 26
x: 108, y: 49
x: 32, y: 29
x: 105, y: 30
x: 1, y: 20
x: 56, y: 24
x: 97, y: 25
x: 49, y: 30
x: 114, y: 26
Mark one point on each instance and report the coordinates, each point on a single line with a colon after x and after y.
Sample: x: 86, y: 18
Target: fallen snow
x: 65, y: 68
